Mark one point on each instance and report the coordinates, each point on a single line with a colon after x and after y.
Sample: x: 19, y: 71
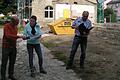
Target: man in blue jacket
x: 82, y: 26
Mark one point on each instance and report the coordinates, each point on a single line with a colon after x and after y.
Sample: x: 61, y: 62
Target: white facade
x: 47, y: 11
x: 74, y: 11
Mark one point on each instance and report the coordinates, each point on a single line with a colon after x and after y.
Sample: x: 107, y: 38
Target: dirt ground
x: 103, y: 53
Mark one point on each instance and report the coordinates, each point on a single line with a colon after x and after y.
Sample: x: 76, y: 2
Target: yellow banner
x: 66, y: 13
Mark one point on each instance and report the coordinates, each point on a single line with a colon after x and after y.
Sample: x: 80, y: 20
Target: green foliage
x: 1, y: 26
x: 20, y: 28
x: 113, y: 16
x: 110, y: 15
x: 108, y: 11
x: 60, y: 56
x: 6, y: 7
x: 48, y: 45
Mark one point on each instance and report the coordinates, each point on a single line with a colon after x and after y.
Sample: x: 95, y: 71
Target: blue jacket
x: 78, y: 21
x: 34, y: 39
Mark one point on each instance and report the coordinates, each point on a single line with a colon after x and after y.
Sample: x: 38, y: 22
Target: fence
x: 109, y: 33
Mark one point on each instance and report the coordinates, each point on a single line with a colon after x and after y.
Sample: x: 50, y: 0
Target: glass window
x: 48, y: 12
x: 46, y: 8
x: 51, y: 14
x: 51, y: 8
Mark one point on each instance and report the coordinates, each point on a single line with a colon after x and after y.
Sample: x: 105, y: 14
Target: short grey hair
x: 85, y: 13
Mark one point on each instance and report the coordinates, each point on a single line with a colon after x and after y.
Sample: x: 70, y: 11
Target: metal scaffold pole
x: 29, y: 8
x: 24, y: 10
x: 100, y: 11
x: 18, y: 10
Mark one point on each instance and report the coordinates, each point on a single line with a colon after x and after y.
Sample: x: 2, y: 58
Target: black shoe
x: 69, y: 64
x: 43, y: 71
x: 12, y: 78
x: 32, y: 75
x: 82, y: 67
x: 33, y: 72
x: 3, y: 79
x: 68, y: 67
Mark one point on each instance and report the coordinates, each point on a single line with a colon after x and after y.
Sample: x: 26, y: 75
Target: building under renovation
x: 50, y: 10
x: 115, y: 5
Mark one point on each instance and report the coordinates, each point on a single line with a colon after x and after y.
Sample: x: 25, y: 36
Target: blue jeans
x: 82, y: 41
x: 37, y: 48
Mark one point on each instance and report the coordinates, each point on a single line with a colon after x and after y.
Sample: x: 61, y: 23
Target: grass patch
x: 49, y: 45
x: 58, y: 53
x: 60, y: 56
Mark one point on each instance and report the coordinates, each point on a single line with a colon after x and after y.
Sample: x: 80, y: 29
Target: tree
x: 8, y: 1
x: 7, y: 6
x: 110, y: 15
x: 1, y: 6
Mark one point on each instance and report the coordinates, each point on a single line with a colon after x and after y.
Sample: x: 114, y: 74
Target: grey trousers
x: 82, y: 41
x: 8, y: 54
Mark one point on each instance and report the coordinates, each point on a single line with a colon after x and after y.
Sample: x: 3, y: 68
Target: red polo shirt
x: 9, y: 36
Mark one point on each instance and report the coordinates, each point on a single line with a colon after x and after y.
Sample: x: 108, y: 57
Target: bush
x: 109, y: 13
x: 2, y: 21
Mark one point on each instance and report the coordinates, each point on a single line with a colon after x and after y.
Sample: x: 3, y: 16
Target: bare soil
x: 103, y: 53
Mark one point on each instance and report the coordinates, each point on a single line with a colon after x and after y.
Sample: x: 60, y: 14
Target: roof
x: 113, y: 2
x: 92, y: 1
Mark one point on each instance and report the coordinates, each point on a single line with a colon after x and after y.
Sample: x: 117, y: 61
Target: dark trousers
x: 37, y: 48
x: 82, y: 41
x: 8, y: 54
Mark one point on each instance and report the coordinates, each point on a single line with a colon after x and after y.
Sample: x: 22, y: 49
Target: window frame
x: 48, y: 10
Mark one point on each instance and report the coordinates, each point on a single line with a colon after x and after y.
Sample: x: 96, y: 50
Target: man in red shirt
x: 9, y: 47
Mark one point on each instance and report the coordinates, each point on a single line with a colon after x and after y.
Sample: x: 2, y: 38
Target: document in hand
x: 83, y: 29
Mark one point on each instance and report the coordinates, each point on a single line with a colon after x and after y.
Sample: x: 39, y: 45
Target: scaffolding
x: 24, y: 9
x: 100, y: 11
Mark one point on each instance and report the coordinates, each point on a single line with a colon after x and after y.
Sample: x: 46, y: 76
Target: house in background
x: 115, y: 5
x: 46, y: 10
